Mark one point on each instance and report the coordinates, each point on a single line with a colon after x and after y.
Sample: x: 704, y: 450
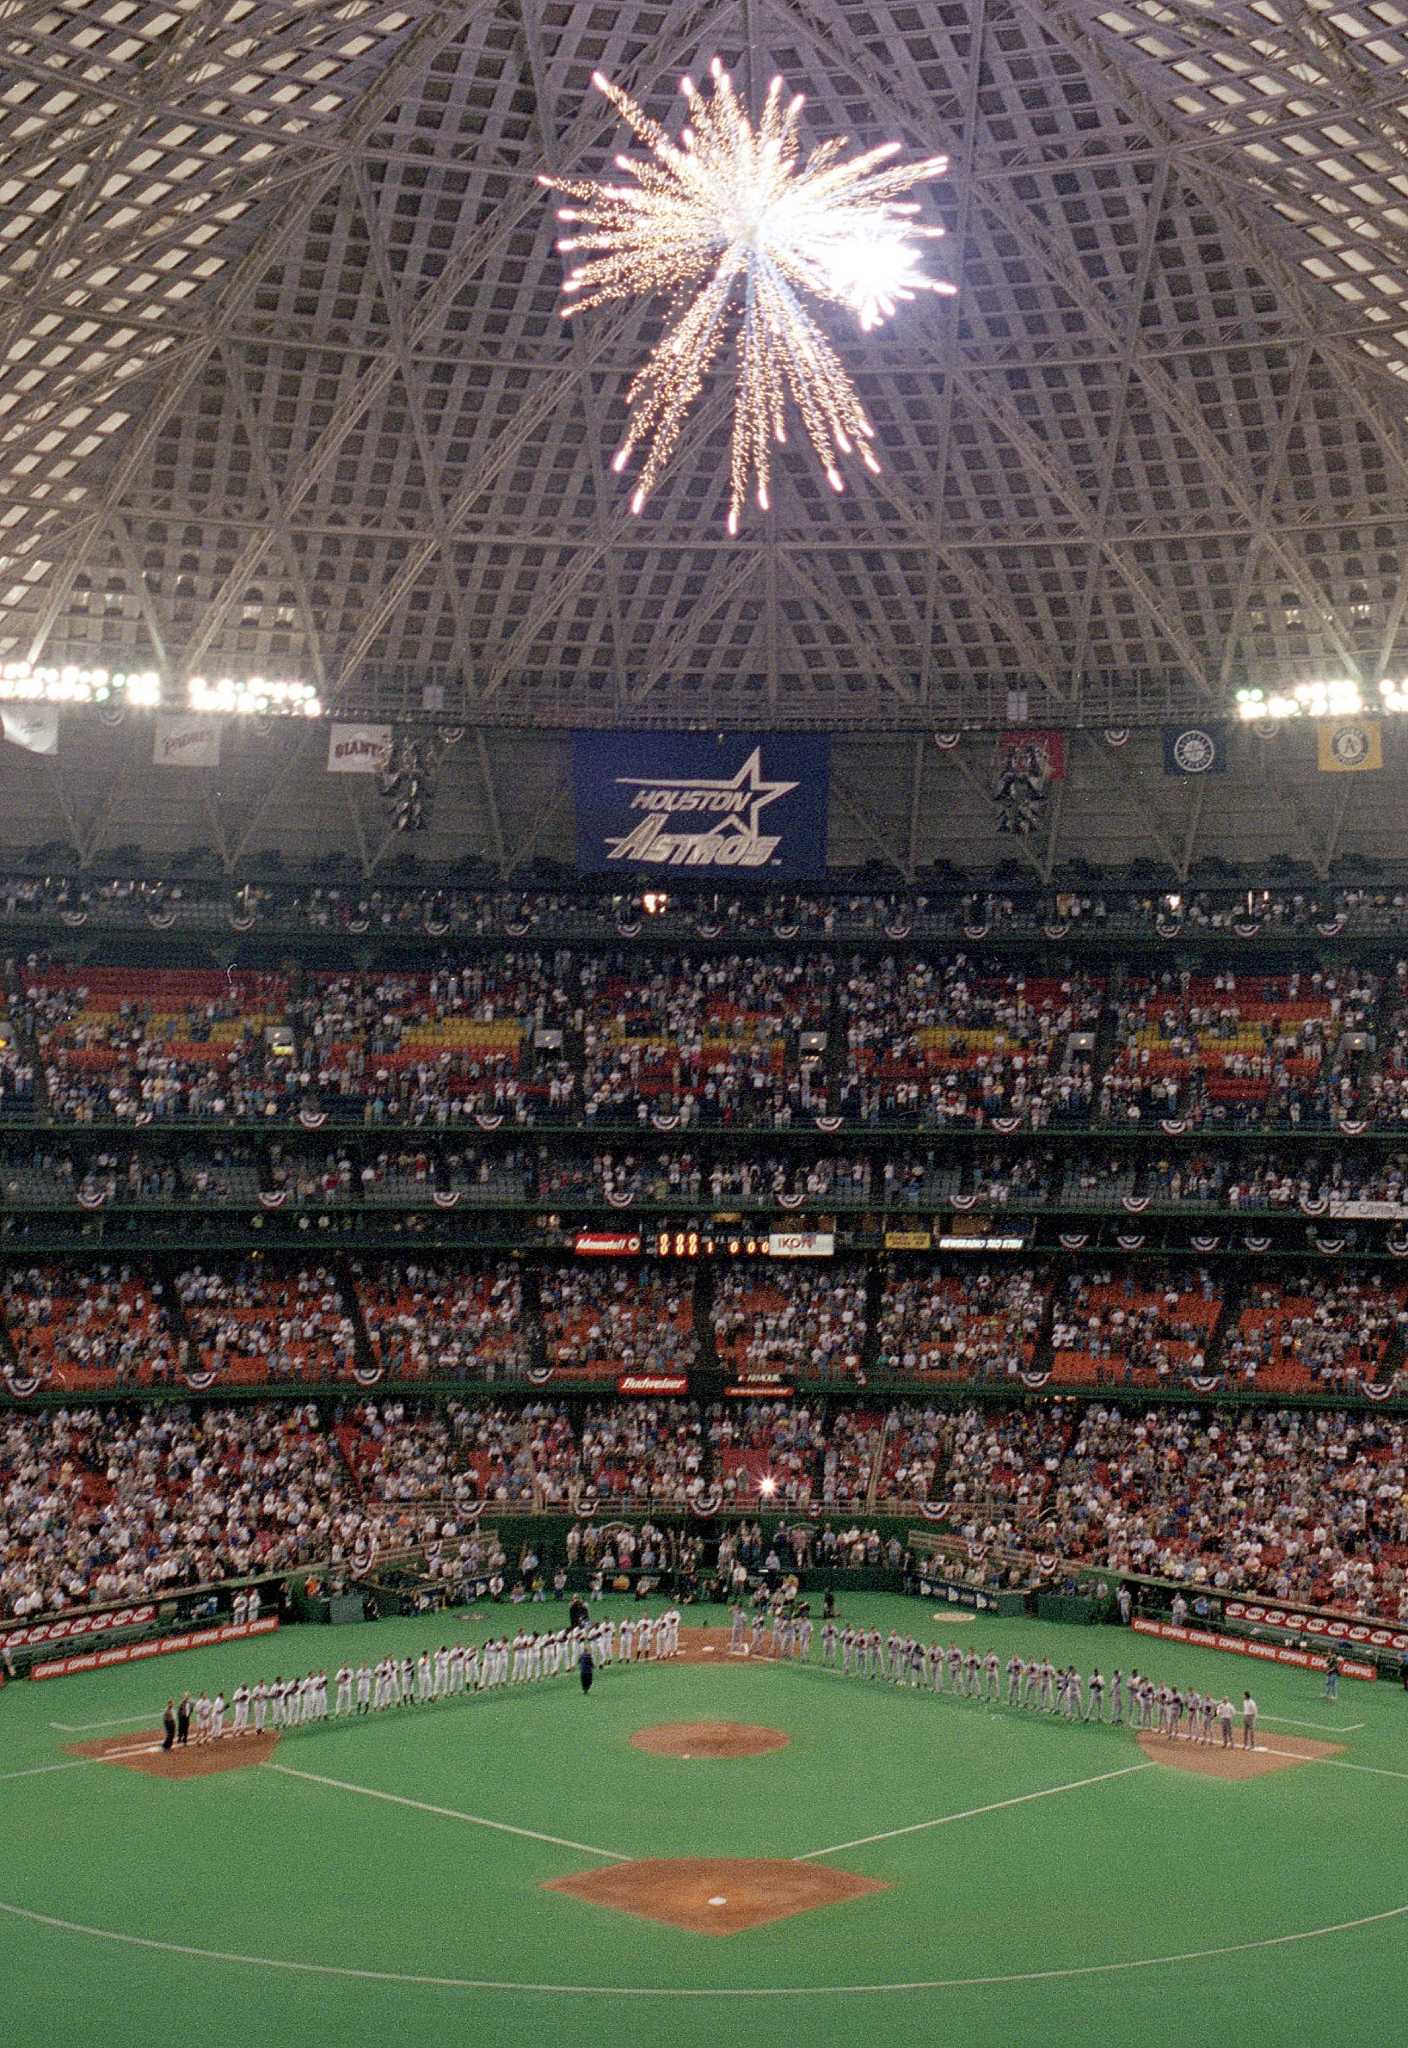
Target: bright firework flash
x: 735, y: 225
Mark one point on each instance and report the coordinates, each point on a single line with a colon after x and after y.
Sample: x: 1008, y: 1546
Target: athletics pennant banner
x: 1349, y: 746
x: 752, y: 802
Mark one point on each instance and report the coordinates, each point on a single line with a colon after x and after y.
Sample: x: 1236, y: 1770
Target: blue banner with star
x: 701, y: 803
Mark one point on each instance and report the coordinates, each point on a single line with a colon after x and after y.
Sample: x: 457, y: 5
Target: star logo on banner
x: 749, y: 780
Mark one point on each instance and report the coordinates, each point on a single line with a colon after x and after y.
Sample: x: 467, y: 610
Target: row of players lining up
x: 434, y: 1674
x: 1038, y: 1684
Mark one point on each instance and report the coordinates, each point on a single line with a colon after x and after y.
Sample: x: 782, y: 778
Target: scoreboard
x: 705, y: 1244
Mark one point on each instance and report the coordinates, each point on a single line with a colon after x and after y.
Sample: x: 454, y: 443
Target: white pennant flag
x: 183, y: 740
x: 358, y: 749
x: 33, y: 727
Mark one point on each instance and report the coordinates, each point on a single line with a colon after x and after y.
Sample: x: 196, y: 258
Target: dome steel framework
x: 283, y: 388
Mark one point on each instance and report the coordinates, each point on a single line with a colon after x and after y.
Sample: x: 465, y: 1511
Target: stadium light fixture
x: 246, y: 697
x: 25, y: 682
x: 1320, y: 700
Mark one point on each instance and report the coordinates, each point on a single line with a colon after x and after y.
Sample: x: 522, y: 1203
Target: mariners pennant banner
x: 745, y: 802
x: 1195, y: 749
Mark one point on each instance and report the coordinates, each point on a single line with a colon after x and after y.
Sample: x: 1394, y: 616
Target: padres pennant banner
x: 753, y: 801
x: 358, y: 749
x: 1350, y: 746
x: 1195, y: 749
x: 181, y: 740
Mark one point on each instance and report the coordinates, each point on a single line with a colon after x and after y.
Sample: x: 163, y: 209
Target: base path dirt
x: 1211, y: 1760
x: 711, y: 1646
x: 145, y: 1753
x: 706, y: 1646
x: 715, y: 1895
x: 691, y: 1739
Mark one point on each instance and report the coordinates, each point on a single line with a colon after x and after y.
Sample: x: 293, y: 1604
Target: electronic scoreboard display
x: 705, y: 1244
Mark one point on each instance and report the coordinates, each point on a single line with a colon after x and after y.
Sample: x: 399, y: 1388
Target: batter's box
x: 716, y: 1895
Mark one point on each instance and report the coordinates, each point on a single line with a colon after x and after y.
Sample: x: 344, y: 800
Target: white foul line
x: 95, y: 1727
x: 448, y: 1813
x: 1375, y: 1770
x: 1336, y: 1763
x: 1323, y: 1727
x: 77, y: 1763
x: 36, y: 1770
x: 972, y: 1812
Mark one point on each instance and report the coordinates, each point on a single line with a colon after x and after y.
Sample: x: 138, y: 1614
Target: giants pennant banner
x: 359, y: 749
x: 750, y: 802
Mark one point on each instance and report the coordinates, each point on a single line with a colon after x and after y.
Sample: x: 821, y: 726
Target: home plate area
x: 1211, y: 1760
x: 144, y: 1753
x: 715, y: 1895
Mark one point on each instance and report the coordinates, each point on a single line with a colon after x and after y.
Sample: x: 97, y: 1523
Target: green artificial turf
x: 1124, y: 1870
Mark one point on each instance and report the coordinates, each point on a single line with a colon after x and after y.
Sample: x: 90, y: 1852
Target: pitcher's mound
x: 145, y: 1753
x: 1210, y: 1760
x: 715, y: 1895
x: 692, y: 1739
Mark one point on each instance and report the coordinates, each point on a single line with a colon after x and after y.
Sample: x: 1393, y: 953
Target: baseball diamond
x: 495, y: 1854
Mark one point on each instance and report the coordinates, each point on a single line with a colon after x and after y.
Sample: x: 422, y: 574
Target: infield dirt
x: 715, y: 1895
x: 1210, y: 1760
x: 704, y: 1739
x: 143, y: 1752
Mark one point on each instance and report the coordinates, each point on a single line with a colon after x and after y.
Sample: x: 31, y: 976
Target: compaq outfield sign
x: 747, y: 801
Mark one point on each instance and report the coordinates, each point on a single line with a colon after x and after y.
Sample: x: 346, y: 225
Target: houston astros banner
x: 742, y: 802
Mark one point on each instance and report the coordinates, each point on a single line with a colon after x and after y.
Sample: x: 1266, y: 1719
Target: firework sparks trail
x: 734, y: 224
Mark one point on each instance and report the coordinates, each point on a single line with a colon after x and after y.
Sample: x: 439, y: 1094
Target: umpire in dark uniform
x: 183, y: 1720
x: 168, y: 1725
x: 586, y: 1669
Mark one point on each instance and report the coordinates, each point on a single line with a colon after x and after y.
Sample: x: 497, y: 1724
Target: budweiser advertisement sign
x: 155, y: 1646
x: 71, y: 1626
x: 1267, y: 1653
x: 1366, y: 1634
x: 606, y: 1244
x: 652, y: 1383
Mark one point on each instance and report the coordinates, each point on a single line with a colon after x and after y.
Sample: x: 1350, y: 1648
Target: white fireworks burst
x: 735, y: 225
